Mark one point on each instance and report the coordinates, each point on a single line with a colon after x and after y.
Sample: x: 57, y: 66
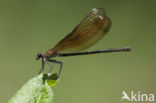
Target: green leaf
x: 36, y: 90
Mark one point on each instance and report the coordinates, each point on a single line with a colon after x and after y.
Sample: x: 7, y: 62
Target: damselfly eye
x: 38, y: 56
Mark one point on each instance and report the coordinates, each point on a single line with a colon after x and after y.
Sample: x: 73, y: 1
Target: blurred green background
x: 31, y: 26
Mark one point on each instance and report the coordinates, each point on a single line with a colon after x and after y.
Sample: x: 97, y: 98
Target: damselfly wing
x: 90, y: 30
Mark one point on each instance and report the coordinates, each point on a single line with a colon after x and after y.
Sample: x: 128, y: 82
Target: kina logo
x: 137, y: 96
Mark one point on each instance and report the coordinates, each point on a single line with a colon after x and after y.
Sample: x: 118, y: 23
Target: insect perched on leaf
x: 90, y: 30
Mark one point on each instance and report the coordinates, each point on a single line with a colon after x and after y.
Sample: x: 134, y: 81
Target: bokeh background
x: 31, y: 26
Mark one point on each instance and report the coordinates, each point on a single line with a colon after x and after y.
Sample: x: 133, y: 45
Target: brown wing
x: 90, y: 30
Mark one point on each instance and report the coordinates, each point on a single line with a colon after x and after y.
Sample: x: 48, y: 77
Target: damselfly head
x: 38, y: 56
